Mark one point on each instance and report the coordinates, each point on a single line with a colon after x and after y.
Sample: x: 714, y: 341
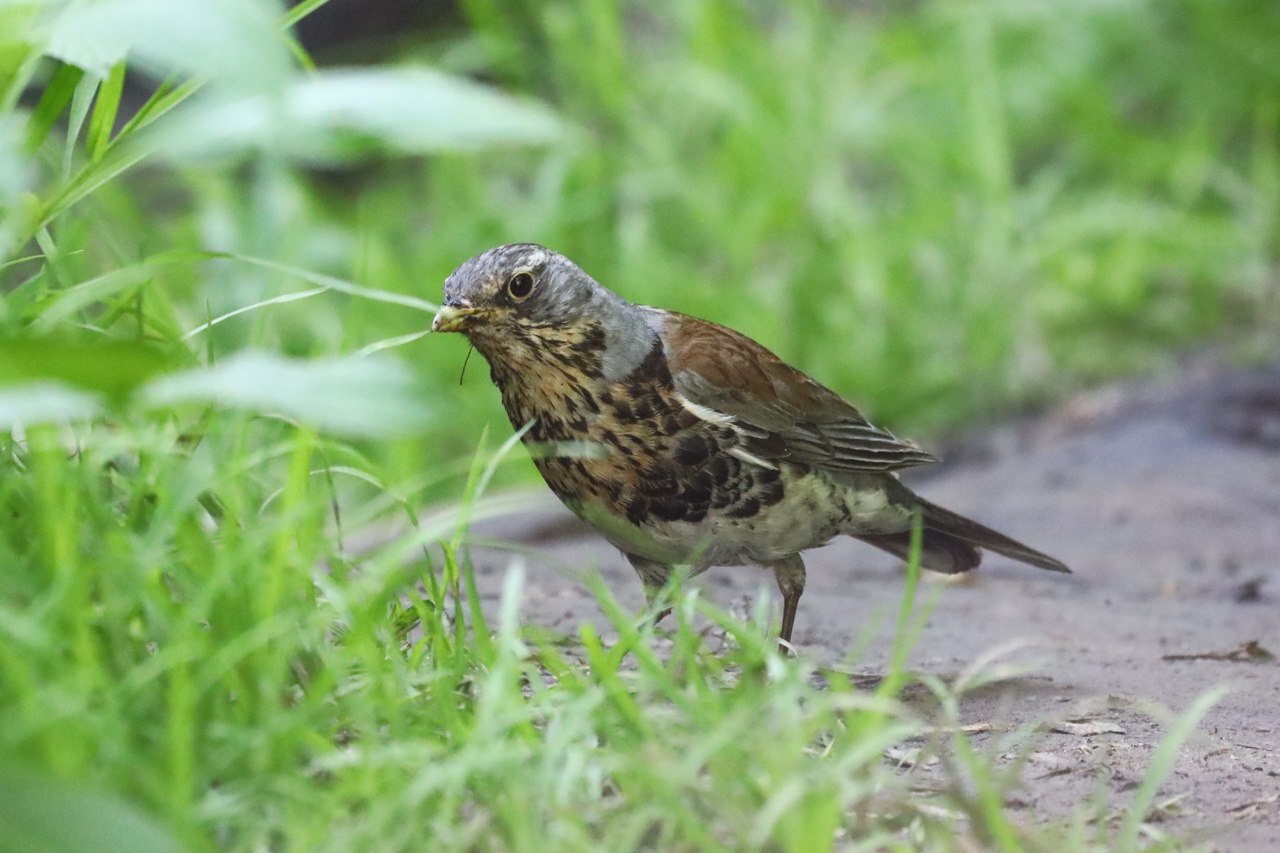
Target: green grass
x: 943, y: 212
x: 184, y: 628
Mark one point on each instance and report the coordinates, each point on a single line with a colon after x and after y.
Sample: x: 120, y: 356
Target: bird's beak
x: 452, y: 318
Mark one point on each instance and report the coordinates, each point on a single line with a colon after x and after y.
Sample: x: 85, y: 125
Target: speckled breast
x: 629, y: 449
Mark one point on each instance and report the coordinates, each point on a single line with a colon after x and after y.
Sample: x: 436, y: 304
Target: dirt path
x: 1165, y: 499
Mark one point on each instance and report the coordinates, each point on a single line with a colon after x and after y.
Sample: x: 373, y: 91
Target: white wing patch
x: 711, y: 416
x: 752, y: 458
x: 703, y: 413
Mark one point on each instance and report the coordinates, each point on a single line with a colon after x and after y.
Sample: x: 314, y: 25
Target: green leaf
x: 343, y: 115
x: 237, y: 42
x: 20, y: 30
x: 106, y: 366
x: 45, y: 402
x: 81, y: 102
x: 362, y: 397
x: 104, y: 111
x: 66, y: 303
x: 53, y: 100
x: 50, y: 816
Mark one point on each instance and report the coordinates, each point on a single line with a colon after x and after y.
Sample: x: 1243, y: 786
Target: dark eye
x: 520, y: 286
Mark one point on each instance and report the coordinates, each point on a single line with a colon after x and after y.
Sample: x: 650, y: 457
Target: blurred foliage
x: 40, y: 815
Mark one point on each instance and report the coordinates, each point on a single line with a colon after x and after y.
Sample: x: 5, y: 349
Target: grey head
x: 525, y: 296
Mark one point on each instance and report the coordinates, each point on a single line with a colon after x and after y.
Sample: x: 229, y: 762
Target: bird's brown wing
x: 783, y: 413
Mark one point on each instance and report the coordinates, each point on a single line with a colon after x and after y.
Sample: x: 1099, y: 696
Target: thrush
x: 686, y: 443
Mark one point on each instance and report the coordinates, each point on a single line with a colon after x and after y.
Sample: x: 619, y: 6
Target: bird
x: 689, y: 445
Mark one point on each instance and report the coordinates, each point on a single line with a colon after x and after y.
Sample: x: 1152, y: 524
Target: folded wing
x: 781, y: 413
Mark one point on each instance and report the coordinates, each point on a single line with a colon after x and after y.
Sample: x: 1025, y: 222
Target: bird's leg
x: 789, y: 572
x: 654, y: 577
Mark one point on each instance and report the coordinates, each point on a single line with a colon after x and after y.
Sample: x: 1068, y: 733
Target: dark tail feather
x: 939, y: 552
x: 958, y: 527
x: 951, y: 543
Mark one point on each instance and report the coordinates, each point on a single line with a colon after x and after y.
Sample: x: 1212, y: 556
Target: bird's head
x: 522, y: 299
x: 521, y: 284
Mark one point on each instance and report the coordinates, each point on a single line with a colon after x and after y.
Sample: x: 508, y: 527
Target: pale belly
x: 812, y: 511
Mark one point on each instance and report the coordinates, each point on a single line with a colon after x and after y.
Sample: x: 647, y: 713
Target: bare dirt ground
x: 1164, y: 497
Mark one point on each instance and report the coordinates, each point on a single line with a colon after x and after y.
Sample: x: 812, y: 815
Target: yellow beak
x: 452, y: 318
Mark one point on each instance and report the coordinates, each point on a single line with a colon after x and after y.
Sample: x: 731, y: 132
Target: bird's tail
x: 953, y: 544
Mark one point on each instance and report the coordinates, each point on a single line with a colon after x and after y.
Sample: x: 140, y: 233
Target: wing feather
x: 782, y: 413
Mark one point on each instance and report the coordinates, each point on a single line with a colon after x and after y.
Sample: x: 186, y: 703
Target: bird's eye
x: 520, y: 286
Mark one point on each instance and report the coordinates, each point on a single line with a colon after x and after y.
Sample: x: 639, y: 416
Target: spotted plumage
x: 684, y: 442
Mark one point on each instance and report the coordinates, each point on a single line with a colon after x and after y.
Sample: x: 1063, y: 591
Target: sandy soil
x: 1165, y: 499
